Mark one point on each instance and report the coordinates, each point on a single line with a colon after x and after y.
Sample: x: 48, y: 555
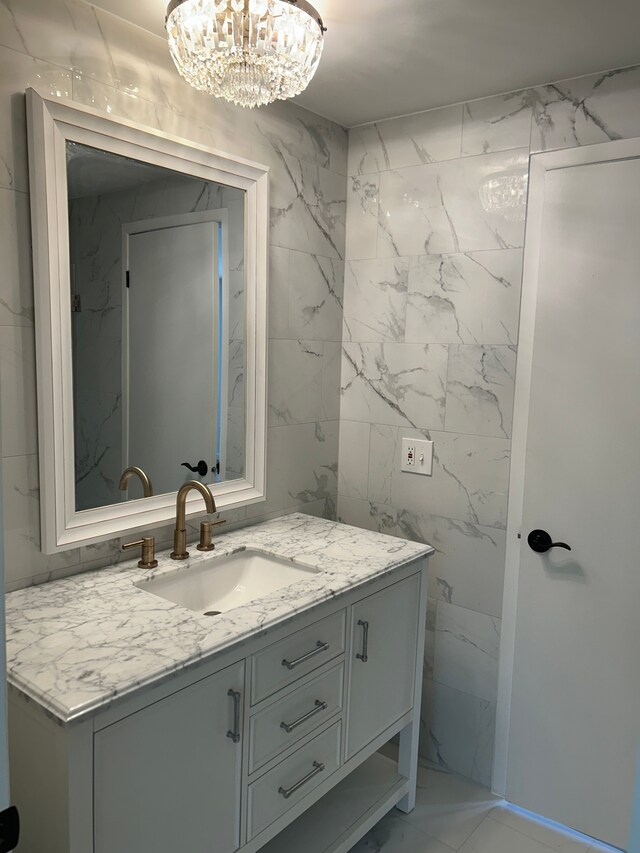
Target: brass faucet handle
x: 148, y: 557
x: 206, y: 528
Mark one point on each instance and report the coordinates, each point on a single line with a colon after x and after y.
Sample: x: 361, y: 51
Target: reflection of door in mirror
x: 173, y: 284
x: 158, y: 369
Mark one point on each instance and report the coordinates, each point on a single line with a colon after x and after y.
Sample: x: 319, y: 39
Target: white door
x: 172, y: 379
x: 575, y: 699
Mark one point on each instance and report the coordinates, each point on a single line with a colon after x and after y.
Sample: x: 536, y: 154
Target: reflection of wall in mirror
x: 96, y: 244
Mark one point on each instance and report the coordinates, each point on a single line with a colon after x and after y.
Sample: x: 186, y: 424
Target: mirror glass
x: 158, y: 327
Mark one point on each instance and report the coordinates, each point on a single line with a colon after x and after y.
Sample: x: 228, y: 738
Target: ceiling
x: 386, y: 58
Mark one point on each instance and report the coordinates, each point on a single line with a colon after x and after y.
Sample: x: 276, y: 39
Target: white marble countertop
x: 75, y: 645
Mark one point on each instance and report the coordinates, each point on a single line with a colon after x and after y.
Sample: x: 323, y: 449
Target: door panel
x: 168, y: 778
x: 575, y: 708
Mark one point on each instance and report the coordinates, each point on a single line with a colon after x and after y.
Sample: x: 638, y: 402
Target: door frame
x: 539, y: 165
x: 221, y: 217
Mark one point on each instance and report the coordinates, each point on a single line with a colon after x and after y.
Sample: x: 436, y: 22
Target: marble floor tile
x: 449, y: 808
x: 494, y: 837
x: 395, y: 835
x: 562, y: 842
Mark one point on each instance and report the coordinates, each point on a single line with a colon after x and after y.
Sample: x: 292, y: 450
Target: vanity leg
x: 410, y: 734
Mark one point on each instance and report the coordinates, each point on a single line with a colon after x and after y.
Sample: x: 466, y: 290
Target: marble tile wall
x: 70, y: 49
x: 436, y: 206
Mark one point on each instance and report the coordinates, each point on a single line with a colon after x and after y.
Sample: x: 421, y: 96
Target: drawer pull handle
x: 292, y: 664
x: 319, y: 706
x: 287, y: 792
x: 234, y: 734
x: 364, y: 657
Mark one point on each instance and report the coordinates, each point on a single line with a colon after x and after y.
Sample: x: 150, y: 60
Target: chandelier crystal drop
x: 249, y: 52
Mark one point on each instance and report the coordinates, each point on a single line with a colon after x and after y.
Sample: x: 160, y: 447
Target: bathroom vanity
x: 138, y: 724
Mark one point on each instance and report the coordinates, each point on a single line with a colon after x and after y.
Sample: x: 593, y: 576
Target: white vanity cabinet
x: 271, y: 746
x: 383, y: 661
x: 168, y: 777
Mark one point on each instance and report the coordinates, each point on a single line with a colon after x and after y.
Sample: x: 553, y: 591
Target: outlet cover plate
x: 417, y: 456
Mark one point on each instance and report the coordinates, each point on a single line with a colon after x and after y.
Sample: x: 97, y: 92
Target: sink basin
x: 223, y: 583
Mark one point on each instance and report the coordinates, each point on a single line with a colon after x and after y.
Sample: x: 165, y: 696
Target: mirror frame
x: 50, y: 123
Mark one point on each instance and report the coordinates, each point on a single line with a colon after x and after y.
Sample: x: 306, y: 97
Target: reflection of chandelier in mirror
x: 249, y: 52
x: 506, y: 195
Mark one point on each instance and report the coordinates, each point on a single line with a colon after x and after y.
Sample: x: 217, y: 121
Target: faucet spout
x: 128, y: 473
x: 180, y: 535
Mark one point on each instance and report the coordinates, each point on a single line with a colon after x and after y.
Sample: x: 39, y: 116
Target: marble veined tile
x: 316, y: 288
x: 295, y: 381
x: 17, y: 73
x: 367, y: 515
x: 480, y: 387
x: 279, y: 322
x: 353, y: 464
x: 551, y: 837
x: 496, y: 124
x: 396, y: 384
x: 466, y: 651
x: 449, y: 807
x: 331, y: 371
x: 494, y: 837
x: 375, y: 302
x: 586, y: 110
x: 308, y: 207
x: 460, y: 732
x: 362, y: 216
x: 16, y: 295
x: 469, y: 298
x: 66, y: 33
x: 384, y: 456
x: 393, y: 834
x: 413, y: 140
x: 19, y: 431
x: 470, y: 479
x: 466, y: 205
x: 302, y: 466
x: 467, y: 568
x: 21, y: 501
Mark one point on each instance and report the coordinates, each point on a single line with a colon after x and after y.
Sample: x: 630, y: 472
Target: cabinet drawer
x: 277, y: 791
x: 290, y: 719
x: 286, y: 661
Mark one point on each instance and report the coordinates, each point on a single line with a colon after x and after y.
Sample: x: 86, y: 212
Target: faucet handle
x: 206, y: 528
x: 148, y: 557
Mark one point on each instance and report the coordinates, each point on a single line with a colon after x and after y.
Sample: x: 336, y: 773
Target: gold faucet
x: 128, y: 473
x: 180, y: 535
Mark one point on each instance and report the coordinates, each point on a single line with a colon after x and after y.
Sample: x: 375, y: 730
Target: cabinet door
x: 167, y: 778
x: 384, y: 632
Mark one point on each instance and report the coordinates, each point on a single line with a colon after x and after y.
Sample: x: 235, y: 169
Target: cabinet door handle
x: 364, y: 657
x: 234, y: 733
x: 287, y: 792
x: 319, y: 706
x: 292, y: 664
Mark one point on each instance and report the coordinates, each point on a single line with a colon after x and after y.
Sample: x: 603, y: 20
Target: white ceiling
x: 386, y: 58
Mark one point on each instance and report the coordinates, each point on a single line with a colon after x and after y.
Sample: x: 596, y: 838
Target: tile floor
x: 454, y: 814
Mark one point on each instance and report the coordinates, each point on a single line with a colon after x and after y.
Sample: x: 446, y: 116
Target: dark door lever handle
x: 540, y: 541
x: 201, y: 468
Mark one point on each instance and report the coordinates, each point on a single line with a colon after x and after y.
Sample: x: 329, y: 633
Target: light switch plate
x: 417, y: 456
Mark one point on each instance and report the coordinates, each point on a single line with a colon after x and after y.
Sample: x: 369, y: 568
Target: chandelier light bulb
x: 249, y: 52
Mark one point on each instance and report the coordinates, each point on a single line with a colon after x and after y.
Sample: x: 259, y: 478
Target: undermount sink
x: 222, y: 583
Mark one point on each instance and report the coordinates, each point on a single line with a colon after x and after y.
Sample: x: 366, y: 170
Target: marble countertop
x: 76, y: 645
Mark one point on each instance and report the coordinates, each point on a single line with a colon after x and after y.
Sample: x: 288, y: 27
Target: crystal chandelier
x: 249, y: 52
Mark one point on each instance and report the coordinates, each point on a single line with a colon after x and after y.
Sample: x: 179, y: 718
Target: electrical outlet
x: 417, y: 456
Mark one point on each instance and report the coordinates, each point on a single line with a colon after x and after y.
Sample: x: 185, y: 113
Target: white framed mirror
x: 150, y: 280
